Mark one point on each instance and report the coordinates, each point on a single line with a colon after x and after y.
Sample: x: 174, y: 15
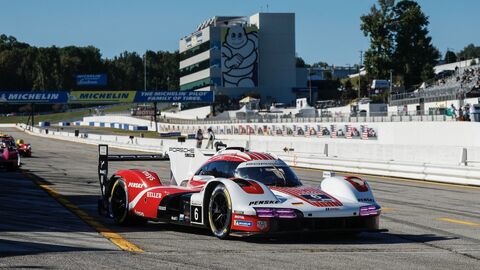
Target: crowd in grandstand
x: 466, y: 77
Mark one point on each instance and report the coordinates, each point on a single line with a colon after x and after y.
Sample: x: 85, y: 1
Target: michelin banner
x: 175, y: 96
x: 18, y: 97
x: 101, y: 96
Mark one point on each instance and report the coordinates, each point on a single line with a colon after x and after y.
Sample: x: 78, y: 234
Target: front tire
x: 220, y: 212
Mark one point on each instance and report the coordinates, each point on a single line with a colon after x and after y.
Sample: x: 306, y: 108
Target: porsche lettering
x: 181, y: 149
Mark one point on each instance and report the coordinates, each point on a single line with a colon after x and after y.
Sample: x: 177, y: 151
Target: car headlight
x: 369, y: 210
x: 275, y: 212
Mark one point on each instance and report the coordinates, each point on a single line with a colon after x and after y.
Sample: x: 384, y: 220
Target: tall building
x: 235, y: 55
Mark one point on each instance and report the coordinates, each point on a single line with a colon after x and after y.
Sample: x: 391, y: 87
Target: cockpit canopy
x: 269, y: 172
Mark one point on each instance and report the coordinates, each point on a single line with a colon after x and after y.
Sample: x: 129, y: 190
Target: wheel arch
x: 341, y: 187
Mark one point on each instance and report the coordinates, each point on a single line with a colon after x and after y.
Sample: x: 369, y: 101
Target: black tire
x: 11, y: 167
x: 220, y: 212
x: 119, y: 206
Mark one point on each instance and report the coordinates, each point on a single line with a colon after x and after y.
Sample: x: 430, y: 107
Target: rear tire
x: 220, y: 212
x: 119, y: 205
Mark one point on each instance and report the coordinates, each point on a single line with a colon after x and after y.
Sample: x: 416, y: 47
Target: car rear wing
x: 104, y: 158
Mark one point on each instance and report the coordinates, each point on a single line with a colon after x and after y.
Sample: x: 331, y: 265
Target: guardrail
x: 459, y: 174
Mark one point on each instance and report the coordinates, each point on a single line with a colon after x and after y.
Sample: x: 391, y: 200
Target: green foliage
x: 348, y: 93
x: 399, y: 41
x: 414, y: 55
x: 30, y: 68
x: 450, y: 57
x: 378, y: 25
x: 65, y: 116
x: 469, y: 52
x: 320, y: 64
x: 300, y: 63
x: 327, y: 75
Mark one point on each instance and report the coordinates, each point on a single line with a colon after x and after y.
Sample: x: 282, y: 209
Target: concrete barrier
x: 458, y: 174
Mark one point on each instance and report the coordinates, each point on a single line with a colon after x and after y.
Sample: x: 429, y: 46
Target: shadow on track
x: 9, y: 248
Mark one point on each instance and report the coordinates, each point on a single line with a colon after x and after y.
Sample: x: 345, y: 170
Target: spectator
x: 460, y: 114
x: 467, y: 112
x: 199, y: 138
x: 211, y: 138
x: 471, y: 113
x: 454, y: 111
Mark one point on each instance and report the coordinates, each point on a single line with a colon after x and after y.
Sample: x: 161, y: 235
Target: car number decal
x: 196, y: 214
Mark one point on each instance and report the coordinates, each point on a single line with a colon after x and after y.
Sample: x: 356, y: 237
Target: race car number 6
x: 195, y: 214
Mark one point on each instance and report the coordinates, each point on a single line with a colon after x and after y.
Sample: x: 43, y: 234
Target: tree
x: 378, y: 26
x: 414, y: 54
x: 399, y: 42
x: 300, y: 63
x: 327, y: 75
x: 349, y: 93
x: 450, y: 57
x: 25, y: 67
x: 469, y: 52
x: 320, y: 64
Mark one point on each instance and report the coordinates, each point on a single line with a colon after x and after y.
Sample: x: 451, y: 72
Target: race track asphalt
x: 431, y: 226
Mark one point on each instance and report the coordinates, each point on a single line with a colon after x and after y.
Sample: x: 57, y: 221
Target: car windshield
x: 281, y: 176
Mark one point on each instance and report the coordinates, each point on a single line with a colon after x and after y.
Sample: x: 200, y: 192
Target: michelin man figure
x: 239, y: 56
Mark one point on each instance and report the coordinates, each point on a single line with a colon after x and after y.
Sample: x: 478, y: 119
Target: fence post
x: 464, y: 160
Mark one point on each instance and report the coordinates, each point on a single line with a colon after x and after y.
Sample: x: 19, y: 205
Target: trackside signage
x: 175, y: 96
x: 102, y: 97
x: 33, y: 97
x: 91, y: 79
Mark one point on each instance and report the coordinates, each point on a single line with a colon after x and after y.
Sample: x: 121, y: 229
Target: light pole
x: 145, y: 71
x: 310, y: 85
x: 360, y: 73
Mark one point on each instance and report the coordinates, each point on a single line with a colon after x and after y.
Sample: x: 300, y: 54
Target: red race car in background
x: 9, y: 156
x: 24, y: 149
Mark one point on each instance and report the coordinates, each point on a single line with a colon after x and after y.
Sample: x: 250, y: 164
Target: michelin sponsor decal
x: 243, y: 223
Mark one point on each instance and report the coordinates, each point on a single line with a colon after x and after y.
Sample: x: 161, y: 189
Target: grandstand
x: 462, y: 82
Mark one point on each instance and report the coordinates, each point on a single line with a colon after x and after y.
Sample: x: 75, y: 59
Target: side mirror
x: 203, y: 178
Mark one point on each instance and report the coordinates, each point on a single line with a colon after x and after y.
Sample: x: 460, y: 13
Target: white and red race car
x: 235, y: 192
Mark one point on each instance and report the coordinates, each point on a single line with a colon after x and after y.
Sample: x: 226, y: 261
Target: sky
x: 327, y: 31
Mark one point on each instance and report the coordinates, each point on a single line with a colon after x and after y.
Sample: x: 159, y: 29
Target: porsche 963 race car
x: 24, y: 149
x: 234, y: 192
x: 9, y: 156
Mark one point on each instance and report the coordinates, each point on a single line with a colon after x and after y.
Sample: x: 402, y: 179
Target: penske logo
x: 136, y: 185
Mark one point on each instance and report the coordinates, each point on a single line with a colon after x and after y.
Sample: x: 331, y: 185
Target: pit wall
x: 443, y: 143
x: 441, y: 163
